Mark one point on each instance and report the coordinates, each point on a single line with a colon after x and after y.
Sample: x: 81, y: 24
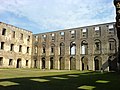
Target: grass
x: 35, y: 79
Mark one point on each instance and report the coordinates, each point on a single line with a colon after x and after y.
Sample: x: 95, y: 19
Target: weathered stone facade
x: 85, y: 48
x: 15, y: 47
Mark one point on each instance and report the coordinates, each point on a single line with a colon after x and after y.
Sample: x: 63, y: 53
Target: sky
x: 41, y: 16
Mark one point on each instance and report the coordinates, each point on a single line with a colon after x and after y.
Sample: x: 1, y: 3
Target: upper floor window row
x: 4, y: 33
x: 13, y: 34
x: 22, y: 37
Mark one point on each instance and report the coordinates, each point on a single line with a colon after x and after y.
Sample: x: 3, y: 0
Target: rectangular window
x: 53, y: 36
x: 13, y: 34
x: 11, y: 47
x: 26, y: 62
x: 1, y: 61
x: 72, y: 34
x: 84, y: 33
x: 84, y: 30
x: 97, y: 28
x: 36, y: 50
x: 44, y: 37
x: 3, y: 31
x: 20, y: 48
x: 36, y: 38
x: 27, y: 49
x: 21, y: 36
x: 62, y: 33
x: 111, y: 29
x: 110, y: 26
x: 10, y: 62
x: 112, y: 45
x: 43, y: 49
x: 97, y: 31
x: 52, y: 50
x: 28, y: 39
x: 2, y: 45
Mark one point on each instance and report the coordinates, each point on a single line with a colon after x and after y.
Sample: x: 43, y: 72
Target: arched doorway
x: 62, y: 63
x: 18, y: 63
x: 43, y: 63
x: 112, y: 63
x: 72, y: 63
x: 98, y: 63
x: 84, y: 61
x: 51, y: 63
x: 35, y: 63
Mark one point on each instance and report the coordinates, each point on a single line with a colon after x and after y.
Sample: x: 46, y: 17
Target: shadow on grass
x: 83, y: 81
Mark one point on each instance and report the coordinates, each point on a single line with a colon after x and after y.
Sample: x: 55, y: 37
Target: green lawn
x: 35, y: 79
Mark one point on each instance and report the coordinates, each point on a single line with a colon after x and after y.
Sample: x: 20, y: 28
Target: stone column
x: 47, y: 62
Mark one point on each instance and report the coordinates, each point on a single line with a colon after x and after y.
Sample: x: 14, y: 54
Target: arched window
x: 52, y: 48
x: 35, y: 50
x: 84, y: 47
x: 62, y: 48
x: 97, y: 45
x: 112, y: 44
x: 43, y: 49
x: 72, y: 48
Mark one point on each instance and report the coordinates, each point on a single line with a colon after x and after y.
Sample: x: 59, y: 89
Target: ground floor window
x: 19, y: 64
x: 10, y: 62
x: 1, y: 61
x: 26, y: 62
x: 43, y: 63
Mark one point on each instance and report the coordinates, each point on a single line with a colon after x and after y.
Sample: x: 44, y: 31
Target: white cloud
x: 60, y: 14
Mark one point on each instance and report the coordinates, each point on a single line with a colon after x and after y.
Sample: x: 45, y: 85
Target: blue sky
x: 41, y: 16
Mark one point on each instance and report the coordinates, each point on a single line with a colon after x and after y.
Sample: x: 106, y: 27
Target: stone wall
x: 83, y: 48
x: 10, y: 53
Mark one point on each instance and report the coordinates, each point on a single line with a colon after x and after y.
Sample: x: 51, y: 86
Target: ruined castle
x: 84, y: 48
